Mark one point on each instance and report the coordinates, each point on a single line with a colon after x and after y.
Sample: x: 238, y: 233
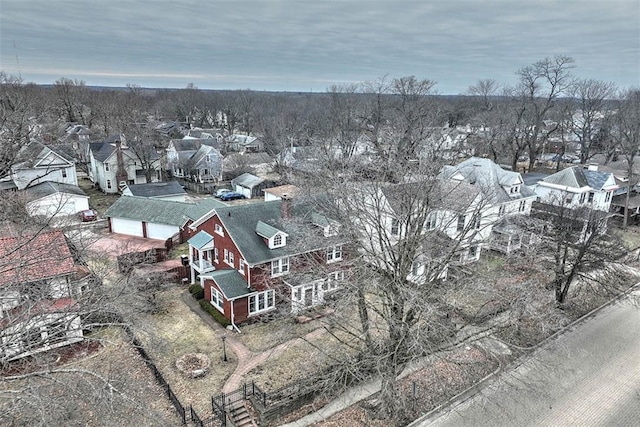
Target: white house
x: 504, y: 195
x: 52, y: 199
x: 112, y: 165
x: 578, y: 186
x: 36, y: 163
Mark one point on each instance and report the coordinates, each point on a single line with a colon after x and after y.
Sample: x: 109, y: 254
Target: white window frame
x: 106, y: 167
x: 432, y: 221
x: 241, y: 266
x: 109, y: 184
x: 501, y: 210
x: 215, y: 255
x: 334, y: 254
x: 218, y: 229
x: 462, y: 219
x: 231, y: 261
x: 279, y: 266
x: 523, y: 206
x: 261, y: 302
x: 217, y: 299
x: 64, y: 172
x: 395, y: 226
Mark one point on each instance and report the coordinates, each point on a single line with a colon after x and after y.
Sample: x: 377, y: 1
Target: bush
x: 217, y: 316
x: 196, y: 291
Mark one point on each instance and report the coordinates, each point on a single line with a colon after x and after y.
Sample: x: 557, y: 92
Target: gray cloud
x: 302, y: 45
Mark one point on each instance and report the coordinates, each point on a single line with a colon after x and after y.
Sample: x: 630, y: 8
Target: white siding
x: 161, y: 231
x: 126, y: 226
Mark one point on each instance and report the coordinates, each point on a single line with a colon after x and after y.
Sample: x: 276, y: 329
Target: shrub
x: 196, y: 291
x: 217, y: 316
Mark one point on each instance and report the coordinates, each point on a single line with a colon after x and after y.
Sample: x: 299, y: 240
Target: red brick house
x: 256, y: 258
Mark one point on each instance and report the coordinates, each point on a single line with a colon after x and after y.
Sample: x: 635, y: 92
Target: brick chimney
x: 285, y: 207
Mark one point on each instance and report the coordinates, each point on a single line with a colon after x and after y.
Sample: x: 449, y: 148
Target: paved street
x: 588, y: 377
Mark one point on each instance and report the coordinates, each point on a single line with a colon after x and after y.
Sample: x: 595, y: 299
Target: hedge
x: 217, y: 316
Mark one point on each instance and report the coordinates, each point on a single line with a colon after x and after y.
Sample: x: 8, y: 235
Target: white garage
x: 56, y: 199
x: 161, y: 231
x: 129, y: 227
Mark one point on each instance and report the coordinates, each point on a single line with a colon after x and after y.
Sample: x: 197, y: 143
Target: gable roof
x: 267, y: 231
x: 570, y: 177
x: 200, y: 240
x: 160, y: 211
x: 157, y: 189
x: 201, y: 155
x: 438, y: 194
x: 240, y: 222
x: 30, y: 257
x: 33, y: 153
x: 247, y: 180
x: 596, y: 179
x: 50, y: 187
x: 490, y: 178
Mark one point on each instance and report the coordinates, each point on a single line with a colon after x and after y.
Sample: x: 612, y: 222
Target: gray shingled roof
x: 34, y: 152
x: 231, y: 283
x: 596, y: 179
x: 202, y: 207
x: 438, y: 194
x: 49, y: 187
x: 570, y: 177
x: 200, y: 240
x: 240, y: 222
x: 157, y: 189
x: 247, y: 180
x: 490, y: 177
x: 157, y: 211
x: 265, y: 230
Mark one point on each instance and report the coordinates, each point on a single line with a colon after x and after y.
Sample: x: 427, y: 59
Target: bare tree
x: 577, y: 244
x: 627, y: 136
x: 589, y: 98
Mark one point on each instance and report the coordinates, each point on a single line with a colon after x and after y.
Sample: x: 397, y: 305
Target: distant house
x: 171, y: 190
x: 281, y: 192
x: 250, y: 185
x: 154, y: 218
x: 112, y: 165
x: 179, y: 151
x: 244, y: 143
x: 36, y: 163
x: 578, y: 186
x: 238, y: 163
x: 39, y: 287
x: 51, y: 199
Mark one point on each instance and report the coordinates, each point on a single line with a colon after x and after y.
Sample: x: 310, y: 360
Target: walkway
x: 247, y: 360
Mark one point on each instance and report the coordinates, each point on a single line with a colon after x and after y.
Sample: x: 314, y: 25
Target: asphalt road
x: 589, y: 376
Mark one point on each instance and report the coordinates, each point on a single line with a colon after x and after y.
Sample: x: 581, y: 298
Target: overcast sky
x: 309, y: 45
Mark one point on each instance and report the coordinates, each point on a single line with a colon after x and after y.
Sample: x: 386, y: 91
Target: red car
x: 88, y: 215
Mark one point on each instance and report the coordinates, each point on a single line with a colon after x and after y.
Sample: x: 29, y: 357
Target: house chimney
x: 285, y: 207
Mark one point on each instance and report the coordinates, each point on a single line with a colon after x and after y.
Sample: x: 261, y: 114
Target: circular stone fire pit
x: 193, y: 365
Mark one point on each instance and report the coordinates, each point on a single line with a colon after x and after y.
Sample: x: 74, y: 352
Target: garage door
x: 161, y: 231
x: 126, y: 226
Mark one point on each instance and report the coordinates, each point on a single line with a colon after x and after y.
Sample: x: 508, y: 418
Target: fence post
x: 244, y: 391
x: 213, y: 405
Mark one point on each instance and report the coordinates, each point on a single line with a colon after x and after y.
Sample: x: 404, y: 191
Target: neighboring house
x: 53, y: 199
x: 244, y: 143
x: 578, y: 186
x: 457, y: 215
x: 39, y: 285
x: 504, y: 194
x: 205, y: 165
x: 36, y: 163
x: 281, y: 192
x: 250, y: 185
x: 257, y: 258
x: 112, y: 165
x: 171, y: 190
x: 237, y: 163
x: 180, y: 151
x: 155, y: 218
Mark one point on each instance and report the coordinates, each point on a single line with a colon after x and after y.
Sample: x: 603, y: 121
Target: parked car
x: 221, y: 192
x: 88, y: 215
x: 232, y: 195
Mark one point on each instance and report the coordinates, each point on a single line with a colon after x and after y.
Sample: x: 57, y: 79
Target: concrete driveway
x: 589, y: 376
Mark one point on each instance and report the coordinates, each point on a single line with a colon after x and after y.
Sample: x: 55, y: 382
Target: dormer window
x: 329, y: 226
x: 514, y: 189
x: 273, y: 237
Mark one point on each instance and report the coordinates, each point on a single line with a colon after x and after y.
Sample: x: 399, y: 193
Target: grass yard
x: 178, y: 331
x: 97, y: 199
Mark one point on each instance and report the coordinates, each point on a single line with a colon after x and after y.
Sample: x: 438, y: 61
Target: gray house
x: 250, y: 185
